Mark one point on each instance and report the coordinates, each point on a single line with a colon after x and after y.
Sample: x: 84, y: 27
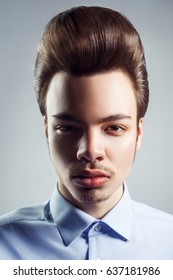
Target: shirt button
x: 97, y: 227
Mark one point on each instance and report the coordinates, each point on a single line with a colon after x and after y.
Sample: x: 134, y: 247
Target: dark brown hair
x: 87, y: 40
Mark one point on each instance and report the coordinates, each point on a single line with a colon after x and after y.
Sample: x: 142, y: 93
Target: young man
x: 92, y: 89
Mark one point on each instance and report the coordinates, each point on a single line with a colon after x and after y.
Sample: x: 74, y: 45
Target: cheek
x: 122, y: 152
x: 61, y: 151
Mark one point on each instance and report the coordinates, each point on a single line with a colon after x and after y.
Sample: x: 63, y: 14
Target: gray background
x: 26, y: 174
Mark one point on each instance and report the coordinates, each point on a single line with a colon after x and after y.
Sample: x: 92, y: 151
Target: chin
x: 91, y: 196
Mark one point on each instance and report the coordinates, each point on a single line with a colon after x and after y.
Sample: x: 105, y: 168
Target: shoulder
x: 31, y: 213
x: 146, y: 213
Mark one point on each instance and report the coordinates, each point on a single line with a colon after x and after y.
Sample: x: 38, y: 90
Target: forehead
x: 95, y: 95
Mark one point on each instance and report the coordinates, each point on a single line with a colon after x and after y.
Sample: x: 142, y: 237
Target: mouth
x: 90, y: 178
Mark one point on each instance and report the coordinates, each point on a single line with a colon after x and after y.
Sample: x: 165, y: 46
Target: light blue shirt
x: 58, y: 230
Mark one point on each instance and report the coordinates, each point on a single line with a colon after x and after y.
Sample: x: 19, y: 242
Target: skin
x: 92, y: 133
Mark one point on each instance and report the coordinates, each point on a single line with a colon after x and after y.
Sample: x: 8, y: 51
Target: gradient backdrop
x: 26, y: 174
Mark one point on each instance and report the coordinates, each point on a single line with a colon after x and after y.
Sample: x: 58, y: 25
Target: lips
x: 90, y: 178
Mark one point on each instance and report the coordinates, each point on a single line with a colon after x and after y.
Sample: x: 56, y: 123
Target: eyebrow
x: 115, y: 117
x: 69, y: 117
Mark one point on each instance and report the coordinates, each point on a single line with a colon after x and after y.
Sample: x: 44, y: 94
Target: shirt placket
x: 94, y: 236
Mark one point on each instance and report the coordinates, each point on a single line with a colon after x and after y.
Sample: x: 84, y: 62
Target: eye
x: 115, y: 130
x: 66, y: 129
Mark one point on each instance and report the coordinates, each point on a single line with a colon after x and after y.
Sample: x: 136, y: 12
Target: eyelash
x: 115, y: 127
x: 65, y: 128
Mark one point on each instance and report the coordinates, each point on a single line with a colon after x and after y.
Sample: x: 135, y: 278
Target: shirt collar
x: 120, y: 217
x: 71, y: 221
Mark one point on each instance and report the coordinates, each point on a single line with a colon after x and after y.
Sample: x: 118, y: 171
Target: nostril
x: 90, y: 157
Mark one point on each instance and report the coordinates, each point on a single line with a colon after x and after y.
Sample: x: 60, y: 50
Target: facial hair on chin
x: 90, y: 196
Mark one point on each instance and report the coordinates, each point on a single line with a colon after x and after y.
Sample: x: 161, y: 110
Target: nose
x: 91, y: 147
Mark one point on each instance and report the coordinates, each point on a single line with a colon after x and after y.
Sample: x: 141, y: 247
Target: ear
x: 140, y: 133
x: 45, y: 127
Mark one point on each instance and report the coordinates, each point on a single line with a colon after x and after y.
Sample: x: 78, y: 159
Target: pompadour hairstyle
x: 88, y: 40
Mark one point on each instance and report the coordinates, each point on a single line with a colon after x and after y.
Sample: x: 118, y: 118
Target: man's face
x: 92, y: 133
